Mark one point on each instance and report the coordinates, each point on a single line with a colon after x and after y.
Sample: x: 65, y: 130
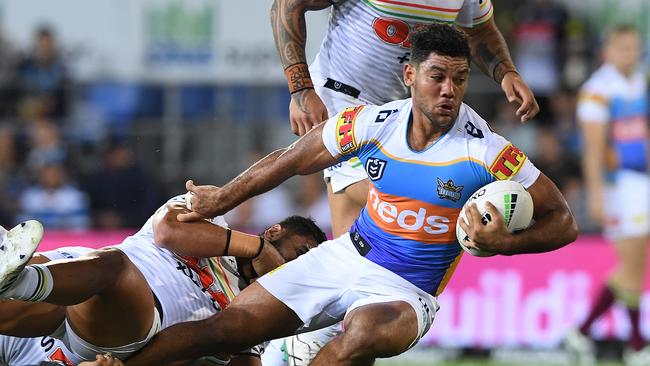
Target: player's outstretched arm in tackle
x: 288, y: 22
x: 203, y: 239
x: 554, y: 225
x: 306, y: 156
x: 490, y: 53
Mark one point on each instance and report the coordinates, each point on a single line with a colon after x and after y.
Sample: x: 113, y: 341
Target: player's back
x: 179, y: 283
x: 367, y: 44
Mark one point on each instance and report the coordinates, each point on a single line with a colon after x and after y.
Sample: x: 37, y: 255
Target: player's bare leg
x: 345, y: 205
x: 371, y: 331
x: 108, y: 301
x: 254, y: 316
x: 27, y: 319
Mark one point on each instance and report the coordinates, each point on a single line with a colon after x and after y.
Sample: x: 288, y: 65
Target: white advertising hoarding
x: 168, y: 40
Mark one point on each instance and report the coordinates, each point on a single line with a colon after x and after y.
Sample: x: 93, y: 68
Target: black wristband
x: 259, y: 250
x: 228, y: 236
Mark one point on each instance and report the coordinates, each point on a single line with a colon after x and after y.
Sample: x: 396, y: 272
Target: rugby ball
x: 511, y: 199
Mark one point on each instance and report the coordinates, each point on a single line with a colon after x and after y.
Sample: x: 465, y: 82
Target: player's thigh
x: 381, y: 329
x: 346, y: 205
x: 123, y: 312
x: 30, y: 319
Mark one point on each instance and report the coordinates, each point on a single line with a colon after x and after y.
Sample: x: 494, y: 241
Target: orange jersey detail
x: 412, y: 219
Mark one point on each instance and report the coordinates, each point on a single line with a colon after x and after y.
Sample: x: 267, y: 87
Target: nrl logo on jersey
x: 449, y: 191
x: 375, y: 168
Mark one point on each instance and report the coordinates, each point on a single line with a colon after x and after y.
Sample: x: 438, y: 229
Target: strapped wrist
x: 298, y: 77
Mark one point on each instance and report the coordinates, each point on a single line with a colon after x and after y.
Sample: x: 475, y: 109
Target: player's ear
x: 409, y: 74
x: 273, y: 233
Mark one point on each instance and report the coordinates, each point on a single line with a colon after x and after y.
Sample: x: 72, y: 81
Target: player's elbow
x: 568, y: 232
x: 164, y: 232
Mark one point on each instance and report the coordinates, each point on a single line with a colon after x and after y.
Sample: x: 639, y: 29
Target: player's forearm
x: 490, y: 51
x: 290, y: 34
x: 203, y: 239
x: 552, y: 231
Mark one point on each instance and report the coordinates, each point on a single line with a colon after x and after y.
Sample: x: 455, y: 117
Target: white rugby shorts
x: 627, y: 206
x: 349, y: 172
x: 325, y: 284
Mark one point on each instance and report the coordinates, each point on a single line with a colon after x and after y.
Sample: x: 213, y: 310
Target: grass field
x: 465, y: 362
x: 504, y: 357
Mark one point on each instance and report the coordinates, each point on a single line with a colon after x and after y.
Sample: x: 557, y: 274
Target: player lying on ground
x: 381, y: 278
x: 117, y: 298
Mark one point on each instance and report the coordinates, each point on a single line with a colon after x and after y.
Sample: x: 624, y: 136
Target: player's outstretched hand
x: 103, y: 360
x: 489, y: 233
x: 306, y: 110
x: 201, y: 200
x: 517, y: 91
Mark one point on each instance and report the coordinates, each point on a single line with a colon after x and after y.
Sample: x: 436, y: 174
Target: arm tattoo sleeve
x: 490, y: 51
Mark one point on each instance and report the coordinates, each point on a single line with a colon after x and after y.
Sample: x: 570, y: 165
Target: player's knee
x: 111, y: 263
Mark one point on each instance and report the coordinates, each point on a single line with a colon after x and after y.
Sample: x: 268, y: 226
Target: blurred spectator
x: 9, y: 59
x: 553, y: 159
x: 121, y: 193
x: 43, y: 75
x: 54, y: 201
x: 539, y: 48
x: 507, y: 124
x: 45, y: 145
x: 312, y: 202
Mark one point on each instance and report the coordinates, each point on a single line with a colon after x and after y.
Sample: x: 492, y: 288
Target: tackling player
x: 613, y: 113
x: 382, y: 277
x: 115, y: 299
x: 360, y: 62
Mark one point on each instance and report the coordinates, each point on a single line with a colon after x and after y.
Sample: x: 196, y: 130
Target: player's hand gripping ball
x: 511, y: 199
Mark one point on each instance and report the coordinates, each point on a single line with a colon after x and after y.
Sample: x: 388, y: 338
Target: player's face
x: 624, y: 51
x: 438, y: 86
x: 290, y: 246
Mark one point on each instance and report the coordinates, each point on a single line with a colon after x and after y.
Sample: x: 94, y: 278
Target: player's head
x: 622, y: 48
x: 294, y: 236
x: 438, y: 71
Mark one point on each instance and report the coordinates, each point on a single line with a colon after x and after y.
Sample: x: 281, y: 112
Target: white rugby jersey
x: 367, y: 44
x: 15, y: 351
x: 187, y: 288
x: 415, y: 197
x: 609, y: 97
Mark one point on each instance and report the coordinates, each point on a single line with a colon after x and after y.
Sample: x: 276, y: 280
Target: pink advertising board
x: 526, y: 300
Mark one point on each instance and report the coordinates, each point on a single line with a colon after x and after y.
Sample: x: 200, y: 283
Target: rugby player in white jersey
x: 381, y: 279
x: 115, y: 299
x: 360, y: 62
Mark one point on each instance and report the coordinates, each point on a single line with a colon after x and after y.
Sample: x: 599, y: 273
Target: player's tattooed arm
x: 490, y: 53
x: 289, y: 31
x: 306, y: 156
x: 290, y: 34
x: 489, y: 50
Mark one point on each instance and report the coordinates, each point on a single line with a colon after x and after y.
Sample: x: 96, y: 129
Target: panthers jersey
x: 367, y: 40
x: 16, y: 351
x: 609, y: 97
x: 188, y: 288
x: 415, y: 197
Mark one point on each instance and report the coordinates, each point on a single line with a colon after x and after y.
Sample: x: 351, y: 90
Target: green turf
x: 464, y: 362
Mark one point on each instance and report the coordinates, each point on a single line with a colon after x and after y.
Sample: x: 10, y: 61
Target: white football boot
x: 17, y: 248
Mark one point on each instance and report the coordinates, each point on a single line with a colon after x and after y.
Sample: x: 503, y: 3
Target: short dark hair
x: 616, y: 29
x: 441, y: 39
x: 303, y: 226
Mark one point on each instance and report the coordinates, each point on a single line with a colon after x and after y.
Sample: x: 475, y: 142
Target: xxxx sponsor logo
x: 508, y: 162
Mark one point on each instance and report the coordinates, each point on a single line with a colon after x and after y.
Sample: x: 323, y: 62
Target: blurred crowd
x: 51, y: 170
